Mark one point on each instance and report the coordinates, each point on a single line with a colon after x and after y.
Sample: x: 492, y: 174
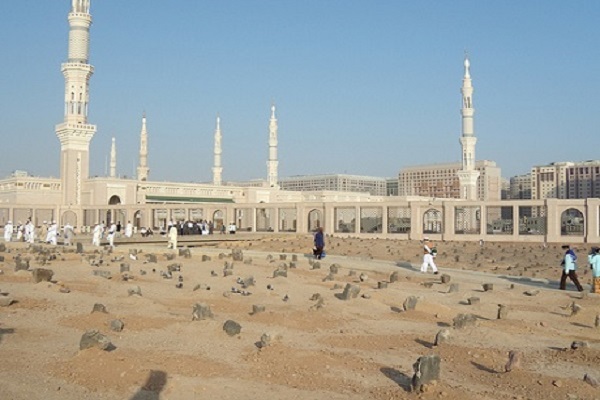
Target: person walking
x: 319, y: 243
x: 112, y: 231
x: 428, y: 254
x: 52, y: 236
x: 97, y: 235
x: 8, y: 231
x: 128, y: 229
x: 29, y: 232
x: 43, y: 236
x: 68, y: 233
x: 569, y: 265
x: 172, y: 244
x: 594, y: 259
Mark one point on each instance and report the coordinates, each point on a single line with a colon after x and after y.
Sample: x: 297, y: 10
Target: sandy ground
x: 363, y: 348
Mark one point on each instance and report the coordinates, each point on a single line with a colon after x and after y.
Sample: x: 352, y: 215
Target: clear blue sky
x: 361, y: 87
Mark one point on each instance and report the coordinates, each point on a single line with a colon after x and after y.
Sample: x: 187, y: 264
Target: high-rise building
x: 336, y: 182
x: 520, y: 187
x: 566, y: 180
x: 441, y: 180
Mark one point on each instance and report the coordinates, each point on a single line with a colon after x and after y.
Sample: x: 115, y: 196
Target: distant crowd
x: 48, y: 232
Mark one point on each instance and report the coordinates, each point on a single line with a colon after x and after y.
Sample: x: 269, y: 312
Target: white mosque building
x: 78, y: 198
x: 83, y: 201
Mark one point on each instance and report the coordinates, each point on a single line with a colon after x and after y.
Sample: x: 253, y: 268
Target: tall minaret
x: 272, y: 163
x: 468, y: 175
x: 75, y: 133
x: 142, y: 170
x: 113, y: 159
x: 218, y: 169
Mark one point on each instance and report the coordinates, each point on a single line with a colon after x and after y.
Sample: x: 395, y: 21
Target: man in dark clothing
x: 319, y: 243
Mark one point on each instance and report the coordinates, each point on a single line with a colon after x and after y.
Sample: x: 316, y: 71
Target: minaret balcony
x: 76, y: 127
x: 77, y: 65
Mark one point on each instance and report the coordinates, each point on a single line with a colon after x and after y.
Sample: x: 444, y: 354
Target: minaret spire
x: 468, y: 175
x: 272, y: 164
x: 218, y: 169
x: 113, y: 159
x: 75, y: 133
x: 142, y: 170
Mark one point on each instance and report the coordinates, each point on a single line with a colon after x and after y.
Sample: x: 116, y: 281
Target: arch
x: 70, y: 217
x: 433, y: 220
x: 138, y: 217
x: 315, y: 218
x: 114, y: 200
x: 572, y: 222
x: 218, y: 219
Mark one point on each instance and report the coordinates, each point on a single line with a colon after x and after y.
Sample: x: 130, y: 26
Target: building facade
x: 441, y: 181
x: 520, y: 187
x: 566, y: 180
x: 336, y: 182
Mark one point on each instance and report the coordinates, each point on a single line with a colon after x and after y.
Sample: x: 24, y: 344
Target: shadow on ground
x: 403, y: 380
x: 154, y: 385
x: 5, y: 331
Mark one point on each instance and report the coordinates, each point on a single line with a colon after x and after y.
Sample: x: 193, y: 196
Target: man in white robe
x: 53, y: 234
x: 20, y: 229
x: 112, y: 231
x: 129, y: 229
x: 96, y: 235
x: 8, y: 231
x: 68, y: 233
x: 29, y: 232
x: 172, y: 238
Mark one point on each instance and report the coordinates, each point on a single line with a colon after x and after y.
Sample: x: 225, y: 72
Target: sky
x: 361, y: 87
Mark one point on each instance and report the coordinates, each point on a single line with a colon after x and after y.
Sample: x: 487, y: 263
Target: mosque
x: 83, y: 201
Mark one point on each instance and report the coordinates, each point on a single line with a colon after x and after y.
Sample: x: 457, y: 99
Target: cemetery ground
x: 257, y: 318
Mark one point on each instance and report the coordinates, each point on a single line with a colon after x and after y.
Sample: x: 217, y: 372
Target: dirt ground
x: 362, y: 348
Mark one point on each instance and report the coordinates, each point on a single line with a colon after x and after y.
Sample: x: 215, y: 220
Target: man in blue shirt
x: 569, y: 266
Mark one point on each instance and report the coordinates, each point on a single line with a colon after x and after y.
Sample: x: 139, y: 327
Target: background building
x: 520, y: 187
x: 566, y: 180
x: 392, y: 186
x: 441, y: 181
x: 336, y: 182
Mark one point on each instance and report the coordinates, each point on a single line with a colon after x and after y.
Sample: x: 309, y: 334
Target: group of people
x: 202, y: 227
x: 48, y: 232
x: 569, y: 265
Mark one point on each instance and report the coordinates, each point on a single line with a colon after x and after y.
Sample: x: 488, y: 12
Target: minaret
x: 218, y: 169
x: 74, y: 132
x: 113, y: 159
x: 468, y: 175
x: 272, y: 163
x: 142, y: 170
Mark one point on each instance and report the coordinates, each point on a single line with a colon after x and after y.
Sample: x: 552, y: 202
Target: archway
x: 137, y: 219
x: 69, y: 217
x: 114, y: 200
x: 218, y: 220
x: 315, y: 218
x: 572, y: 223
x: 432, y: 221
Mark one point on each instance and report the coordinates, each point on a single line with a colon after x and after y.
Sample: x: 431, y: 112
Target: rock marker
x: 93, y: 338
x: 232, y: 328
x: 201, y: 312
x: 427, y: 370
